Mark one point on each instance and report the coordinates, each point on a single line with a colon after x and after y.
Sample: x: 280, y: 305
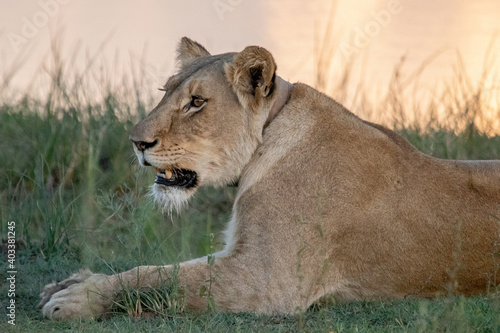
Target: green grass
x: 69, y: 179
x: 460, y: 315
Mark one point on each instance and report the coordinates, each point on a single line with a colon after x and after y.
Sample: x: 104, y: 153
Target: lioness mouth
x: 179, y: 177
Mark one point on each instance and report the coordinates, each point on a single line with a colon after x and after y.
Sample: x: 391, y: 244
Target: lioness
x: 327, y: 203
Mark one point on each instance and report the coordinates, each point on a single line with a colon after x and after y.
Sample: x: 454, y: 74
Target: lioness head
x: 210, y: 120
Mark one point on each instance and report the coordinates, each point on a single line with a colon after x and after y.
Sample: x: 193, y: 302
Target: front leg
x: 82, y: 295
x: 88, y: 295
x: 233, y: 286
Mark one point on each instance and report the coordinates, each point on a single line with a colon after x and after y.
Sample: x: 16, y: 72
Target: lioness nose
x: 143, y: 145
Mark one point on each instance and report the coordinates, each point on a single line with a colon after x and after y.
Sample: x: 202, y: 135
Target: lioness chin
x: 327, y: 203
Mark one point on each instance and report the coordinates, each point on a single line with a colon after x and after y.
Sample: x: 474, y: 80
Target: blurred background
x: 76, y: 75
x: 312, y: 41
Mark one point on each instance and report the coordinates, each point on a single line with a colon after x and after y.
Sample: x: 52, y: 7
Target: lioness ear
x: 188, y: 51
x: 252, y: 74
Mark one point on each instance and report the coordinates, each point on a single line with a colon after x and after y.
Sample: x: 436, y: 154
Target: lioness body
x: 326, y: 203
x: 367, y: 215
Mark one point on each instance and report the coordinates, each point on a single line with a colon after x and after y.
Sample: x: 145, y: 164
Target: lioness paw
x: 83, y: 295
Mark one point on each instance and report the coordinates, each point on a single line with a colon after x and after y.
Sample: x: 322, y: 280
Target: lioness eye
x: 197, y: 102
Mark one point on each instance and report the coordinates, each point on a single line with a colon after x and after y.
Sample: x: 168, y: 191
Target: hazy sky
x: 127, y: 33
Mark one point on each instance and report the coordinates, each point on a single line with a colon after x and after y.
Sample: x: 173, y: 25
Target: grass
x: 69, y: 180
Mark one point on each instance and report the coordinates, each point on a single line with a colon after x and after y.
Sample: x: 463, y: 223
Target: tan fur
x: 188, y: 51
x: 326, y: 204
